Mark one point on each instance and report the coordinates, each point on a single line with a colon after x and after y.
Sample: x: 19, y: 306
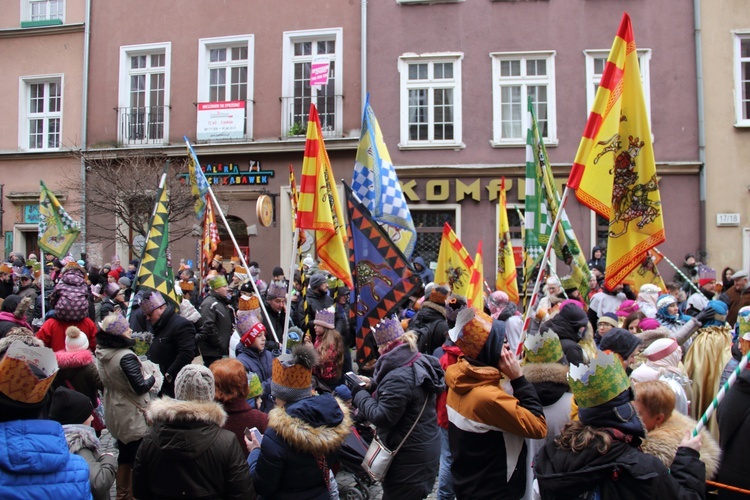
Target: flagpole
x: 687, y: 280
x: 290, y: 285
x: 545, y: 260
x: 41, y: 256
x: 720, y: 395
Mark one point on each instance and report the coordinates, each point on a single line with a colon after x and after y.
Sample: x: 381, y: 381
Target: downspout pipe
x: 84, y: 119
x: 701, y: 129
x: 363, y: 49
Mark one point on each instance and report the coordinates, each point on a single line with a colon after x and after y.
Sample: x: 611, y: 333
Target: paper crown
x: 326, y: 318
x: 5, y: 268
x: 116, y: 324
x: 152, y: 302
x: 439, y: 293
x: 254, y: 386
x: 706, y: 273
x: 471, y: 331
x: 292, y: 377
x: 248, y: 303
x: 276, y: 290
x: 388, y: 330
x: 235, y: 259
x: 598, y: 382
x: 17, y: 379
x: 568, y: 283
x: 545, y: 348
x: 217, y: 281
x: 186, y: 286
x: 217, y: 258
x: 249, y: 326
x: 743, y: 320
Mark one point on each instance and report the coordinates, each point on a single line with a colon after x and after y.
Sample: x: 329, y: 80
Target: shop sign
x: 445, y: 190
x: 220, y: 120
x: 230, y: 174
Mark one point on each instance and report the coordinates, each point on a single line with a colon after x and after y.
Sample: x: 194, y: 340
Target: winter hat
x: 115, y: 324
x: 743, y: 322
x: 277, y: 271
x: 340, y: 291
x: 706, y: 275
x: 291, y: 380
x: 619, y: 341
x: 627, y: 308
x: 665, y: 300
x: 70, y: 407
x: 153, y: 301
x: 308, y: 261
x: 439, y: 293
x: 249, y: 327
x: 608, y: 318
x: 217, y: 282
x: 124, y: 281
x: 114, y: 274
x: 19, y: 334
x: 649, y: 288
x: 644, y: 373
x: 75, y: 340
x: 648, y: 324
x: 241, y: 273
x: 276, y: 290
x: 598, y: 382
x: 453, y: 305
x: 326, y: 318
x: 111, y: 290
x: 387, y: 331
x: 660, y: 349
x: 497, y: 302
x: 316, y: 280
x: 343, y: 393
x: 544, y: 348
x: 194, y: 383
x: 720, y: 313
x: 254, y: 386
x: 27, y: 374
x: 134, y: 262
x: 739, y: 274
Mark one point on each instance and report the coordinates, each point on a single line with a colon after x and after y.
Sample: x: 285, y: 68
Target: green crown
x: 598, y: 382
x: 545, y: 348
x: 568, y: 282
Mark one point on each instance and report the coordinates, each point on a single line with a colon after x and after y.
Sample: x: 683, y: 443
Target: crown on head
x: 544, y: 348
x: 249, y: 304
x: 294, y: 377
x: 598, y: 382
x: 388, y: 330
x: 17, y: 380
x: 326, y: 317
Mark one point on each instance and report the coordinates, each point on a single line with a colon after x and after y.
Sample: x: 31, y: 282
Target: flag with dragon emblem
x: 383, y: 278
x: 647, y: 272
x: 475, y: 296
x: 454, y: 263
x: 57, y: 230
x: 614, y: 172
x: 506, y: 279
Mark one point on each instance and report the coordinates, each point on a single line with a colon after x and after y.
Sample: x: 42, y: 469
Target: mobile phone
x: 249, y: 433
x: 354, y: 379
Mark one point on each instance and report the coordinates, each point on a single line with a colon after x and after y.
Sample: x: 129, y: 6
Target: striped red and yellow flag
x: 506, y: 280
x: 475, y: 295
x: 294, y: 195
x: 614, y: 172
x: 319, y: 207
x: 454, y: 263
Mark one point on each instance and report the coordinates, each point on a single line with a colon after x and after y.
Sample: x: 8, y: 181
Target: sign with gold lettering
x: 231, y: 175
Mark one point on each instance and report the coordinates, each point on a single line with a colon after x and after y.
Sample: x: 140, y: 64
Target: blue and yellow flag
x: 57, y: 230
x: 198, y: 182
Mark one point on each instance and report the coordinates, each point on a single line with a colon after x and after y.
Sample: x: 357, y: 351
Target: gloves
x: 705, y: 315
x: 355, y: 388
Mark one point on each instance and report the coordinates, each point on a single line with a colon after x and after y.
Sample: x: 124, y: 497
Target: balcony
x: 142, y: 126
x: 295, y: 113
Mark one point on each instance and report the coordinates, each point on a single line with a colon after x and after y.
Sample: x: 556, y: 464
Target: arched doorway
x: 239, y: 229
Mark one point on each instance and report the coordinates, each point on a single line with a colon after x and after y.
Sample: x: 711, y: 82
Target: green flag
x: 57, y: 230
x: 155, y: 272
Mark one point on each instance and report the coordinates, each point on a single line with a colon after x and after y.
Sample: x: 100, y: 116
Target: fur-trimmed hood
x: 546, y: 372
x: 434, y: 306
x: 663, y: 442
x: 184, y: 430
x: 169, y: 411
x: 81, y: 437
x: 78, y: 359
x: 318, y: 424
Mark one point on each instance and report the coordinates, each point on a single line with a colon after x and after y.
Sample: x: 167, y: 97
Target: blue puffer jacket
x: 35, y: 462
x: 260, y: 363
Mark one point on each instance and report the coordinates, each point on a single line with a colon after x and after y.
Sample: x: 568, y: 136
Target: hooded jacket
x: 260, y: 363
x: 293, y: 459
x: 572, y: 326
x: 78, y: 372
x: 188, y: 455
x: 405, y: 381
x: 52, y: 332
x: 430, y: 320
x: 426, y: 274
x: 173, y: 346
x: 27, y: 473
x: 487, y: 431
x: 218, y: 325
x: 83, y: 442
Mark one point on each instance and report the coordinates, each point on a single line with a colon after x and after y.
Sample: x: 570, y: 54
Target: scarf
x: 397, y: 356
x: 618, y: 413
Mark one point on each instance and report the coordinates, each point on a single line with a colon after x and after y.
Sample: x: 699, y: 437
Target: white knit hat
x: 75, y: 340
x: 195, y: 383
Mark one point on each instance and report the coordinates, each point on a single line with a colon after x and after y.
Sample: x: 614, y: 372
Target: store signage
x: 444, y: 190
x: 230, y: 174
x: 220, y: 120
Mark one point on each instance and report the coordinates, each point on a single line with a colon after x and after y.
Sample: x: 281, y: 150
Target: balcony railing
x: 141, y: 125
x: 295, y: 113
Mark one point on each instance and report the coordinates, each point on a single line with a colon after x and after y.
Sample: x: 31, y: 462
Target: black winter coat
x: 734, y: 431
x: 623, y: 472
x: 431, y: 320
x: 403, y: 385
x: 277, y: 321
x: 173, y: 346
x: 287, y: 465
x: 188, y: 455
x: 218, y: 326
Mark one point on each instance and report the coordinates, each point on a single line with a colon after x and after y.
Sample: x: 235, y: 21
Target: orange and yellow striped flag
x: 475, y: 295
x: 319, y: 206
x: 454, y: 263
x: 506, y: 279
x: 614, y: 172
x: 294, y: 195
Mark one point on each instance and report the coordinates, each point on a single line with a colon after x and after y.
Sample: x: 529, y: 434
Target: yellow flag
x: 646, y: 272
x: 475, y: 295
x: 614, y: 172
x: 506, y: 262
x: 454, y: 263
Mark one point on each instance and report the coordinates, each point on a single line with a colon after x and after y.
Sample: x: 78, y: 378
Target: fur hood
x: 302, y: 436
x: 663, y: 441
x: 80, y: 437
x: 434, y: 306
x: 78, y: 359
x: 546, y: 372
x: 168, y: 410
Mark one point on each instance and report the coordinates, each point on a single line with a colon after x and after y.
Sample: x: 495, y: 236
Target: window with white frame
x: 596, y: 60
x: 515, y: 77
x: 143, y: 113
x: 226, y: 72
x: 42, y: 113
x: 301, y: 50
x: 430, y: 100
x: 742, y: 78
x: 40, y: 11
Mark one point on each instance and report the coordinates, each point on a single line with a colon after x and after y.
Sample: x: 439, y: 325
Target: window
x: 742, y: 79
x: 226, y: 72
x: 42, y: 112
x: 430, y: 101
x: 42, y: 12
x: 429, y: 225
x: 143, y: 114
x: 515, y: 77
x: 595, y: 62
x: 301, y: 48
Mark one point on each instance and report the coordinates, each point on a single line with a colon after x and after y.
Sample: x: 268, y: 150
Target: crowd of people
x: 595, y: 398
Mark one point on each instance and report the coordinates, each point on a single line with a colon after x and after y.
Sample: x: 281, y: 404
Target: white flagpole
x: 41, y: 256
x: 290, y: 285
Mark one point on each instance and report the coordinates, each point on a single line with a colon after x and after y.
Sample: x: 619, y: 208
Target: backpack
x: 70, y: 299
x: 424, y: 332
